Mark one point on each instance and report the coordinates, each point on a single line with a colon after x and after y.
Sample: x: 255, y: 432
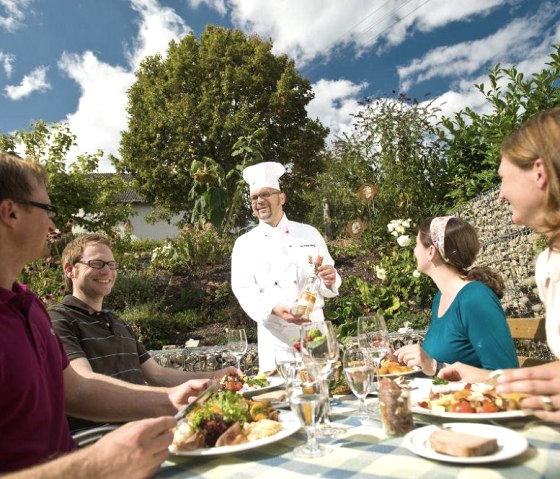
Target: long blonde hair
x: 540, y: 138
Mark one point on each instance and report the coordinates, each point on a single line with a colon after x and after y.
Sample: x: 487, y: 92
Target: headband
x: 437, y: 234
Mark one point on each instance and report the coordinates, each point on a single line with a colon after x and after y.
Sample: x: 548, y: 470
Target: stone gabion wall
x: 508, y: 249
x: 208, y: 358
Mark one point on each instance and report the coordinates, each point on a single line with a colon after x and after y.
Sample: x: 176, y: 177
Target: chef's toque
x: 263, y: 175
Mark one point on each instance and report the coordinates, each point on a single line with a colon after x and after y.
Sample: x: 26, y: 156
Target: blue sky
x: 73, y: 60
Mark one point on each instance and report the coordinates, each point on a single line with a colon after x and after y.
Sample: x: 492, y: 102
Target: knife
x: 199, y: 400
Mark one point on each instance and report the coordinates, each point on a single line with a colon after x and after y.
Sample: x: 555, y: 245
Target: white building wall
x: 158, y: 231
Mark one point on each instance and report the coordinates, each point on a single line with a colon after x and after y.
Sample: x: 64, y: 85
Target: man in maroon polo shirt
x: 37, y: 384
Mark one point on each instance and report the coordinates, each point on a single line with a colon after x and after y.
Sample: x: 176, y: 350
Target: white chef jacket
x: 269, y: 266
x: 547, y: 276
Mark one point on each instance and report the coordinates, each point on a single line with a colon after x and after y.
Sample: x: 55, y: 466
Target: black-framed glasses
x: 265, y: 195
x: 51, y: 210
x: 100, y: 264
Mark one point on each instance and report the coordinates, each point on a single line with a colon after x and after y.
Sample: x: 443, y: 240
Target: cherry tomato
x: 233, y: 386
x: 461, y: 407
x: 423, y: 404
x: 487, y: 406
x: 468, y: 386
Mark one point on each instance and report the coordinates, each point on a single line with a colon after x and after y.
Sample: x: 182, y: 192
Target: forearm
x: 121, y: 401
x: 169, y: 377
x: 76, y: 464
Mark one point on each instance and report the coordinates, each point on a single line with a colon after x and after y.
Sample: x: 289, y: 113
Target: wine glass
x: 319, y: 347
x: 359, y: 373
x: 373, y: 338
x: 286, y: 360
x: 307, y: 400
x: 237, y: 344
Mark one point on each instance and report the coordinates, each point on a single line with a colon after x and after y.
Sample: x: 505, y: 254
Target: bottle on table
x: 309, y: 293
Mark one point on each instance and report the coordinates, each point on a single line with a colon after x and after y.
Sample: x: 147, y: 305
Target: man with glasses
x: 37, y: 383
x: 96, y: 340
x: 270, y: 265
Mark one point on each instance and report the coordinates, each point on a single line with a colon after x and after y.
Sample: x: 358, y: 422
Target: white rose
x: 381, y: 273
x: 416, y: 273
x: 403, y: 240
x: 407, y: 223
x: 391, y: 227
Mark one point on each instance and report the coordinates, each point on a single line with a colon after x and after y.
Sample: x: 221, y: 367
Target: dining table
x: 365, y: 450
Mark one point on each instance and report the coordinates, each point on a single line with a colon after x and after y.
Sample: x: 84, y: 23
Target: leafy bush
x: 155, y: 328
x: 131, y: 289
x: 399, y: 292
x: 195, y: 247
x: 44, y: 278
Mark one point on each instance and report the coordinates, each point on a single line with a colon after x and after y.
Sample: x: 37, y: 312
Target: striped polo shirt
x: 105, y: 340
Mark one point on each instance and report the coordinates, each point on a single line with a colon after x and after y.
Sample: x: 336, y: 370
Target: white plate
x: 422, y: 391
x: 290, y: 424
x: 510, y: 443
x: 415, y: 369
x: 273, y: 382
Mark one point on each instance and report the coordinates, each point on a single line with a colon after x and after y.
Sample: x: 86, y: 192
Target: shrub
x: 131, y: 289
x: 154, y: 327
x: 195, y: 247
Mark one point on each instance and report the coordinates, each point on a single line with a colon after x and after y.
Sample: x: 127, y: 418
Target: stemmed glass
x: 286, y: 359
x: 319, y: 347
x: 359, y: 372
x: 237, y: 344
x: 373, y: 338
x: 307, y: 400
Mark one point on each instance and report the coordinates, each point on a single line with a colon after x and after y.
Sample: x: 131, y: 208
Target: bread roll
x: 460, y: 444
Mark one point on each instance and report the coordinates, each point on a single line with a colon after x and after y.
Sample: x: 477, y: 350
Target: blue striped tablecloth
x: 365, y: 451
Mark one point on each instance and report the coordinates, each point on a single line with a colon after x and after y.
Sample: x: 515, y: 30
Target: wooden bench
x: 532, y: 329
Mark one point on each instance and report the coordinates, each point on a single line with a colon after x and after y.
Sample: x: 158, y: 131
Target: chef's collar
x: 282, y: 226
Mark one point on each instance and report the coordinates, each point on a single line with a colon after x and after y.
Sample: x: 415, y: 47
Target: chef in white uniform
x: 270, y: 264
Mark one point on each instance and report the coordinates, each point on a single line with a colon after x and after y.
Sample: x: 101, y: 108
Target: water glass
x: 359, y: 373
x: 307, y: 402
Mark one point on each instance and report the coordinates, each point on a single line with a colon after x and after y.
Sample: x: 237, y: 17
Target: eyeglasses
x: 51, y: 210
x: 100, y: 264
x: 265, y: 195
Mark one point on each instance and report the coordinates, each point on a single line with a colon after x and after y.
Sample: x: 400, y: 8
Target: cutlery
x: 199, y: 400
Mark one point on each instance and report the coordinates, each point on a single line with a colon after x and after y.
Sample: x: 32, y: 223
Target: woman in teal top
x: 468, y: 323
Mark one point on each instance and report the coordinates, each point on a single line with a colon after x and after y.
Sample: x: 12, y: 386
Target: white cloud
x: 101, y: 113
x: 12, y: 13
x: 310, y: 29
x: 157, y: 27
x: 218, y: 5
x: 34, y: 81
x: 507, y: 45
x: 334, y: 103
x: 6, y: 60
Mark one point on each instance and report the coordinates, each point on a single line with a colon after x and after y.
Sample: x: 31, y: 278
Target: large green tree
x: 197, y: 102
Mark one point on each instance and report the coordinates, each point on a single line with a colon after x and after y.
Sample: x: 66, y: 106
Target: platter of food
x: 229, y: 423
x: 466, y: 443
x: 459, y: 400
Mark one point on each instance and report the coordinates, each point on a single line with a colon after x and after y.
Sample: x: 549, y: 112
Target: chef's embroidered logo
x: 307, y: 246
